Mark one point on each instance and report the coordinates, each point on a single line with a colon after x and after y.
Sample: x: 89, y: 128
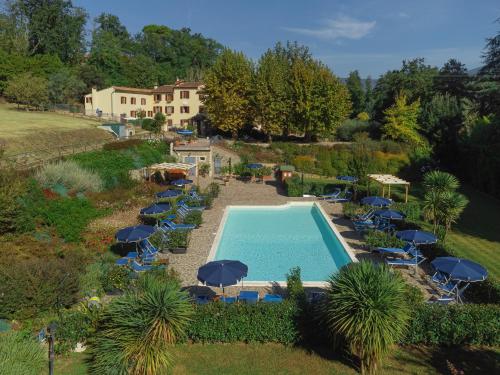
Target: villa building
x: 180, y: 102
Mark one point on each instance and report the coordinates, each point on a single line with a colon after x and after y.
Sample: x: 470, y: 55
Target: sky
x: 370, y: 36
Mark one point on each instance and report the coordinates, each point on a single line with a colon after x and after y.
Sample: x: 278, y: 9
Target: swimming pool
x: 272, y: 239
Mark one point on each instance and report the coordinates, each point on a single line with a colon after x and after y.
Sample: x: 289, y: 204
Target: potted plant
x: 178, y: 241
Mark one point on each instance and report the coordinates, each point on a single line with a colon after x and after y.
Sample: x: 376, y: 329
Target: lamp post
x: 51, y: 330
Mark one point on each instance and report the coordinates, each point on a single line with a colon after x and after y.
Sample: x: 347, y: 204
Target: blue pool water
x: 271, y: 240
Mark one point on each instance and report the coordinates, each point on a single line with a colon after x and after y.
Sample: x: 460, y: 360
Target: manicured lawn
x: 22, y: 130
x: 255, y: 359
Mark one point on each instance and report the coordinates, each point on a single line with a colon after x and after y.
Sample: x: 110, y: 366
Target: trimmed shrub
x: 70, y: 175
x: 464, y: 324
x: 377, y: 238
x: 193, y: 217
x: 261, y: 322
x: 213, y: 190
x: 73, y: 326
x: 20, y: 355
x: 411, y: 210
x: 346, y: 131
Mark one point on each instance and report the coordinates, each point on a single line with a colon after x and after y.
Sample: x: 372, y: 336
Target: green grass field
x: 263, y: 359
x: 23, y: 131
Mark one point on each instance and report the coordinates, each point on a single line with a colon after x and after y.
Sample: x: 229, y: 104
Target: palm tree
x: 439, y: 181
x: 451, y: 207
x: 138, y: 328
x: 366, y: 306
x: 442, y: 204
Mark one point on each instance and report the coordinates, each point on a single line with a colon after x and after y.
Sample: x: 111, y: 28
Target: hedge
x: 261, y: 322
x: 429, y: 324
x: 454, y: 325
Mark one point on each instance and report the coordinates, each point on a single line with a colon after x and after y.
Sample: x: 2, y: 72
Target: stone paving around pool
x: 269, y: 193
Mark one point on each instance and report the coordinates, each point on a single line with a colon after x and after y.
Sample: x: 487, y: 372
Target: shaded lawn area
x: 476, y: 235
x: 256, y: 359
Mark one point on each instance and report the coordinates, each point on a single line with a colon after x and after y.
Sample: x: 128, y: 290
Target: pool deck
x: 269, y: 193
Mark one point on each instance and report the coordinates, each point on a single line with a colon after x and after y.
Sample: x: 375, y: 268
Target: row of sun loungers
x: 245, y: 296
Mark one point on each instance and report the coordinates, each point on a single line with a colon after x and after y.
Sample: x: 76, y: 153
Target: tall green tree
x: 28, y: 90
x: 228, y: 92
x: 369, y: 96
x: 487, y: 86
x: 442, y: 124
x: 138, y: 329
x: 357, y: 93
x: 54, y: 27
x: 401, y: 121
x: 65, y: 87
x: 415, y: 79
x: 366, y: 306
x: 452, y: 79
x: 271, y: 92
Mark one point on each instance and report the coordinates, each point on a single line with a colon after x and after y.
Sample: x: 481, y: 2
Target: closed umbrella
x: 418, y: 237
x: 222, y: 273
x: 376, y: 201
x: 134, y: 234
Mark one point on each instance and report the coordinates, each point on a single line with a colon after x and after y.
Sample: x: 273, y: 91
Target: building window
x: 157, y: 109
x: 202, y: 158
x: 150, y: 113
x: 169, y: 110
x: 201, y: 109
x: 184, y: 122
x: 133, y: 113
x: 123, y: 100
x: 157, y: 97
x: 185, y: 109
x: 169, y: 97
x: 184, y: 94
x: 170, y: 122
x: 132, y: 101
x: 143, y: 101
x: 88, y: 100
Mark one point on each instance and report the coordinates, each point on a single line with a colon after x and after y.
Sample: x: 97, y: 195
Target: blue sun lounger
x: 132, y: 255
x: 184, y: 206
x: 122, y: 261
x: 139, y: 267
x: 273, y: 298
x: 415, y: 261
x: 396, y: 250
x: 170, y: 225
x: 346, y: 198
x: 332, y: 195
x: 248, y: 296
x: 228, y: 299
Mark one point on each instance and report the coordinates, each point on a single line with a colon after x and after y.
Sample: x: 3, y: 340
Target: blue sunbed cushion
x: 272, y: 298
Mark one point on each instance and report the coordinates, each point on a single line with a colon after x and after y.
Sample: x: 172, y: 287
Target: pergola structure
x: 169, y: 168
x: 388, y: 180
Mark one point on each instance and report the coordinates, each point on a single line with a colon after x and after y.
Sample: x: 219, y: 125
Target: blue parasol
x: 460, y: 269
x: 222, y: 273
x: 134, y: 234
x: 185, y: 132
x: 376, y: 201
x: 181, y: 182
x: 390, y: 214
x: 347, y: 178
x: 156, y: 208
x: 168, y: 194
x: 418, y: 237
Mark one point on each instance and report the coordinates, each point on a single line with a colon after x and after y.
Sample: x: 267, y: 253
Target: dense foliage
x: 48, y: 40
x: 219, y: 322
x: 467, y: 324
